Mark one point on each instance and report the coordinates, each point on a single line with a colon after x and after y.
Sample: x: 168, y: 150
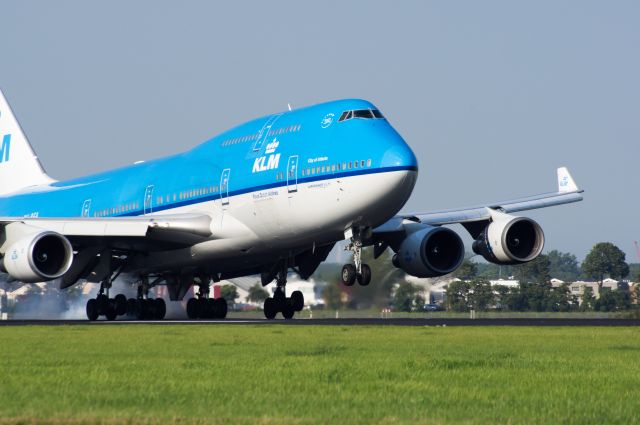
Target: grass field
x: 278, y: 374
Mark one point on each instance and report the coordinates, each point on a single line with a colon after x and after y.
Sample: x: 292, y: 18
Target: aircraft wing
x: 125, y: 232
x: 567, y: 192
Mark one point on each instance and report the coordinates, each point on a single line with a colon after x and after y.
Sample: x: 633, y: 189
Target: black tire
x: 121, y: 304
x: 149, y: 309
x: 280, y: 299
x: 132, y: 307
x: 348, y: 274
x: 92, y: 309
x: 161, y: 308
x: 103, y: 304
x: 364, y: 277
x: 297, y: 300
x: 111, y: 313
x: 206, y: 308
x: 270, y: 308
x: 287, y: 310
x: 141, y: 310
x: 220, y: 308
x: 193, y: 308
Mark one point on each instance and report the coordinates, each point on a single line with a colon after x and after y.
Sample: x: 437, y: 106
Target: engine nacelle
x: 430, y: 252
x: 510, y: 240
x: 38, y: 257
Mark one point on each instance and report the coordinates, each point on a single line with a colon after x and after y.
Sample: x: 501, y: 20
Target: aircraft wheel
x: 110, y: 312
x: 206, y: 308
x: 348, y: 274
x: 120, y: 304
x: 220, y: 308
x: 141, y: 309
x: 287, y: 310
x: 131, y: 307
x: 161, y: 308
x: 92, y: 309
x: 270, y: 308
x: 297, y: 300
x: 193, y: 308
x: 102, y: 303
x: 364, y: 278
x: 149, y: 309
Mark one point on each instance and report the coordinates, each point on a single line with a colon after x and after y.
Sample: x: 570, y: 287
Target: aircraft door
x: 292, y: 174
x: 224, y: 186
x: 148, y: 199
x: 86, y: 207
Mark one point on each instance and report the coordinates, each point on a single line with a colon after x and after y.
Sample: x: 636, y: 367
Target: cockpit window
x: 363, y: 113
x: 346, y: 115
x: 366, y: 114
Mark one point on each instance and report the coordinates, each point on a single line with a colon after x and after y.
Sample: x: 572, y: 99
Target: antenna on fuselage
x: 289, y: 106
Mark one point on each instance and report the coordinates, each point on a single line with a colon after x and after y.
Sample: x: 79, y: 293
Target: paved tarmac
x: 345, y: 322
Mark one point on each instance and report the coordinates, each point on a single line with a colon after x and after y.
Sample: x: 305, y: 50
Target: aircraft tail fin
x: 565, y: 181
x: 19, y: 166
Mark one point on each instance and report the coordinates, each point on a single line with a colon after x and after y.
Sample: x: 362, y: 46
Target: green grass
x: 279, y: 374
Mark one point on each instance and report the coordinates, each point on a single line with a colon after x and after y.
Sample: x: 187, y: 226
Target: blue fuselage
x: 278, y: 151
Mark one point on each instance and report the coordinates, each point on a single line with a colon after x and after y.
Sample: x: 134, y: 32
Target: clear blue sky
x: 492, y: 95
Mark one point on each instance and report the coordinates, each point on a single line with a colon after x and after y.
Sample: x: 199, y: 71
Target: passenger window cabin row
x: 332, y: 168
x: 209, y: 190
x: 329, y: 168
x: 159, y: 200
x: 254, y: 137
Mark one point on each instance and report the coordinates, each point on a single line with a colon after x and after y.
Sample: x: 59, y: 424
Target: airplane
x: 267, y: 197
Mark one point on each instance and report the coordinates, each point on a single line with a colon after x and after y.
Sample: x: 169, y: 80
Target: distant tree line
x: 604, y: 260
x: 535, y: 292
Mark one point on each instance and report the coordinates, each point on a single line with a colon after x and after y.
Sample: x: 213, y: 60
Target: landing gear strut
x: 102, y: 305
x: 357, y: 271
x: 280, y: 303
x: 203, y: 307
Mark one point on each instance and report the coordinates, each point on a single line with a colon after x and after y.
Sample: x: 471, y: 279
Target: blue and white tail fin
x: 19, y: 166
x: 565, y: 181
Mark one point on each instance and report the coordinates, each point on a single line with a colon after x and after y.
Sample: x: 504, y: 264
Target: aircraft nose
x: 399, y: 155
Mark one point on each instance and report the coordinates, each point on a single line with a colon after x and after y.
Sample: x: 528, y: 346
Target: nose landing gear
x: 357, y: 271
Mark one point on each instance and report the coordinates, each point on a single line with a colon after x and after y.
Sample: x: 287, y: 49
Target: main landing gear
x: 204, y: 307
x: 141, y: 308
x: 280, y: 303
x: 357, y: 271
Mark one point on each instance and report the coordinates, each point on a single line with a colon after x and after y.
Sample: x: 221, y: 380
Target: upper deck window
x: 362, y: 114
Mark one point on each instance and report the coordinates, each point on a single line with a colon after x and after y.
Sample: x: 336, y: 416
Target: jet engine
x: 38, y: 257
x: 510, y: 240
x: 430, y: 252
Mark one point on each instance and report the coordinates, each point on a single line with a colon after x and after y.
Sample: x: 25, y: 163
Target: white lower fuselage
x: 278, y: 222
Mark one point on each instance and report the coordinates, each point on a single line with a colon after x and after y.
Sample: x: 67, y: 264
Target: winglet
x: 566, y: 183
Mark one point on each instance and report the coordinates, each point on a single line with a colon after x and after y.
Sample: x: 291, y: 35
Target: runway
x: 342, y: 322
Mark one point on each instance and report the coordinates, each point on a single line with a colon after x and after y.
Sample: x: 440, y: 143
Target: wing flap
x: 121, y: 227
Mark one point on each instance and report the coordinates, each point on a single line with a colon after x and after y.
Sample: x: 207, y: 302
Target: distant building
x: 509, y: 283
x: 577, y: 288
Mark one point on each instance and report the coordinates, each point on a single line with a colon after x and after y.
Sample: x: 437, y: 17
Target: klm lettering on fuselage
x: 5, y: 148
x: 265, y: 163
x: 268, y: 162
